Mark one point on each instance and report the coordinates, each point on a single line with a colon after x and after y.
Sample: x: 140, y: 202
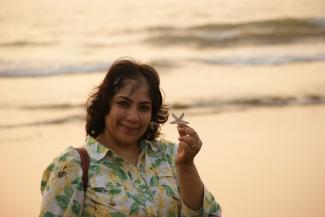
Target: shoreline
x: 264, y: 156
x: 66, y: 115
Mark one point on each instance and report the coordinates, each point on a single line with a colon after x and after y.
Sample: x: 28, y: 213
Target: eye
x: 123, y: 104
x: 145, y: 108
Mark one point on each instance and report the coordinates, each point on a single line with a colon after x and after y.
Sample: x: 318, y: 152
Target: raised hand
x: 189, y: 145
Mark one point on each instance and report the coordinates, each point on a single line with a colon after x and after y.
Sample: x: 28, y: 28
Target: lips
x: 129, y: 129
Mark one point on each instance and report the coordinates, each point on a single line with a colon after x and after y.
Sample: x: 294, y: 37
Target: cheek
x: 107, y: 121
x: 147, y: 119
x: 115, y: 113
x: 111, y: 118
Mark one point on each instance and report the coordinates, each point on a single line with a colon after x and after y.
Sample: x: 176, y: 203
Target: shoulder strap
x: 84, y: 157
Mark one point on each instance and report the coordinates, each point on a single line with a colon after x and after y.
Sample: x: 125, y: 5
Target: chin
x: 130, y: 137
x: 128, y: 140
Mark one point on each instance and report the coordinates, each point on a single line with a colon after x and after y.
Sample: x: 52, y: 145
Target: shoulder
x: 61, y: 186
x: 68, y: 158
x: 65, y: 166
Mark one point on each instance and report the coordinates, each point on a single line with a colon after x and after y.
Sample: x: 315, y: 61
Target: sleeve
x: 210, y: 206
x: 61, y: 186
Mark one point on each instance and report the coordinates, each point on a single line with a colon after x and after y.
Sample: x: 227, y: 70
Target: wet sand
x: 263, y: 162
x: 266, y: 161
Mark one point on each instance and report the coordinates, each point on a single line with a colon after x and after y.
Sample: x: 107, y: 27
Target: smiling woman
x: 124, y: 78
x: 128, y: 119
x: 131, y: 172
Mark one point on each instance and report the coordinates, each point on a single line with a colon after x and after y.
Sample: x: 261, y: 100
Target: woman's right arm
x: 61, y: 187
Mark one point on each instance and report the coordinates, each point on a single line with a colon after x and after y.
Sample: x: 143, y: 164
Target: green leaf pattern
x: 123, y: 189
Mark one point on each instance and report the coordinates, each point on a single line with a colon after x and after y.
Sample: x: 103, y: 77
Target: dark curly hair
x: 99, y: 103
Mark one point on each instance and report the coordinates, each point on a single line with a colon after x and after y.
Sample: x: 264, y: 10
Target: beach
x: 249, y: 76
x: 256, y: 160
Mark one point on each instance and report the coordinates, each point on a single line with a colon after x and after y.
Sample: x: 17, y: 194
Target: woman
x: 131, y: 172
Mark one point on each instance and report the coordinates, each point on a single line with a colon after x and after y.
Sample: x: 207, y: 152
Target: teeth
x: 131, y: 128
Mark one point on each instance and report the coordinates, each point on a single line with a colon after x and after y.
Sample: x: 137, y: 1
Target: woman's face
x: 129, y: 115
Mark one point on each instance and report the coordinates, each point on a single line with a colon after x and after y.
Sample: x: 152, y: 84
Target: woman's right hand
x: 189, y: 145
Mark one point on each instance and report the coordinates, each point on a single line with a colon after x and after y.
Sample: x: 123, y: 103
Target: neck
x: 128, y: 152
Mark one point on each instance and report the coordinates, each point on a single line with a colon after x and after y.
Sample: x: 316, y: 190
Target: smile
x: 129, y: 128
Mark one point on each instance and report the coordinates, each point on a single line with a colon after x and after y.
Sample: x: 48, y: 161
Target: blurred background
x: 249, y: 74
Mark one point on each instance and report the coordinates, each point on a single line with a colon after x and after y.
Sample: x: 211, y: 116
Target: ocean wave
x: 57, y: 121
x: 251, y: 102
x: 198, y: 107
x: 33, y: 69
x: 63, y: 106
x: 25, y: 43
x: 22, y: 69
x: 267, y: 59
x: 211, y: 35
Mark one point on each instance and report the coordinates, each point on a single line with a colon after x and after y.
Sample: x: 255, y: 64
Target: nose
x: 133, y: 115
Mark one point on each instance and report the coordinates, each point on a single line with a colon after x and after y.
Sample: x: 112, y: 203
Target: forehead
x: 134, y: 88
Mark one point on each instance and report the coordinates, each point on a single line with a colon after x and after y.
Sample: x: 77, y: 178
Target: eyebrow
x: 129, y: 100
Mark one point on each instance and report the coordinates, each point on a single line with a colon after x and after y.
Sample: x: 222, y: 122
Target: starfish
x: 178, y: 120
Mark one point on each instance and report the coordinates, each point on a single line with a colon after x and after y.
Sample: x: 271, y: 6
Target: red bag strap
x: 84, y: 157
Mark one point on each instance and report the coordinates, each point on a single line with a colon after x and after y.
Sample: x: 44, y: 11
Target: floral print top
x: 116, y: 187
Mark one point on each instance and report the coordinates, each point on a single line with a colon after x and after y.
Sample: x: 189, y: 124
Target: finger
x: 190, y: 133
x: 185, y: 149
x: 188, y: 139
x: 180, y: 128
x: 186, y: 130
x: 183, y: 146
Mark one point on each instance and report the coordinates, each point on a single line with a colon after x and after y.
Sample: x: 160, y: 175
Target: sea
x: 47, y: 37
